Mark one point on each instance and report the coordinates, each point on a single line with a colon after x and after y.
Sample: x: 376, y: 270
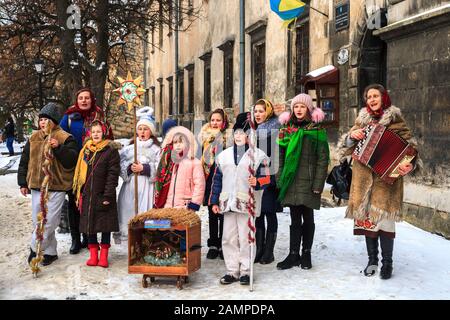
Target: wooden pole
x: 135, y: 161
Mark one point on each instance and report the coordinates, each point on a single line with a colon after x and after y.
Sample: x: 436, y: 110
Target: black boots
x: 31, y: 255
x: 213, y: 253
x: 84, y: 241
x: 76, y: 243
x: 387, y: 247
x: 259, y: 239
x: 293, y: 259
x: 306, y: 259
x: 308, y: 237
x: 267, y: 256
x: 372, y: 252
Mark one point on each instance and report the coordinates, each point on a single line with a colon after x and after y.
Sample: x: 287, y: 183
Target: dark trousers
x: 9, y: 145
x: 215, y: 228
x: 272, y: 222
x: 106, y: 238
x: 74, y: 214
x: 302, y: 218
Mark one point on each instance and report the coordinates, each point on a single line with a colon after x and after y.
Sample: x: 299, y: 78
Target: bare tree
x: 29, y: 29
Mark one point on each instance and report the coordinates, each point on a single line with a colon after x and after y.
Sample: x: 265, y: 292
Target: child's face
x: 43, y: 123
x: 179, y: 145
x: 96, y: 134
x: 300, y: 111
x: 240, y: 138
x: 144, y: 133
x: 216, y: 121
x: 260, y: 113
x: 84, y: 100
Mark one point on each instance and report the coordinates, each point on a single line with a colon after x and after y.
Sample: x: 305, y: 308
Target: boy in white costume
x: 229, y: 196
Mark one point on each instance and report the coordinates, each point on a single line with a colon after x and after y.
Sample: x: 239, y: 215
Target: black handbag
x: 340, y: 179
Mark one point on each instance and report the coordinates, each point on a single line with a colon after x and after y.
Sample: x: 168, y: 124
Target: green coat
x: 311, y: 173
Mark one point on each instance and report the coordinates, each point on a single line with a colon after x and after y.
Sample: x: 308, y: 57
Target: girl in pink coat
x: 180, y: 181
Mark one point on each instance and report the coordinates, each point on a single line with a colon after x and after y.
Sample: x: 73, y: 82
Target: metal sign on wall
x: 342, y: 16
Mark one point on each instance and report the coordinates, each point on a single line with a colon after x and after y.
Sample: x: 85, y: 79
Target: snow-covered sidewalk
x: 421, y: 265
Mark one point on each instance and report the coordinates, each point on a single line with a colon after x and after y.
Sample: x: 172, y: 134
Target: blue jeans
x: 9, y: 145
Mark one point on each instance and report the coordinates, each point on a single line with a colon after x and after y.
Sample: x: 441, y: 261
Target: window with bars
x: 170, y: 82
x: 161, y: 98
x: 227, y: 48
x: 190, y: 69
x: 206, y: 58
x: 301, y: 54
x: 181, y: 94
x: 258, y: 69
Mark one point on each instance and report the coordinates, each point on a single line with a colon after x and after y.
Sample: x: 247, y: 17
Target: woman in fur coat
x: 148, y: 154
x: 213, y: 138
x: 375, y: 205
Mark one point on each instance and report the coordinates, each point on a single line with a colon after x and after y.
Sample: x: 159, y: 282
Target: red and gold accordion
x: 383, y: 151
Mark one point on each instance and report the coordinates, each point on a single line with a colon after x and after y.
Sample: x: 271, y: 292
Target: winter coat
x: 187, y: 184
x: 368, y: 193
x: 9, y: 130
x: 230, y: 182
x: 206, y: 137
x: 311, y: 173
x: 267, y: 133
x: 148, y: 155
x: 101, y: 181
x: 30, y: 174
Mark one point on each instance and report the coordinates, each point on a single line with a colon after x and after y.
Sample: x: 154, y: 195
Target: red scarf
x: 163, y: 177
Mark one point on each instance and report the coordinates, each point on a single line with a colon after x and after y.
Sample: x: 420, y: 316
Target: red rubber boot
x: 104, y: 255
x: 93, y: 259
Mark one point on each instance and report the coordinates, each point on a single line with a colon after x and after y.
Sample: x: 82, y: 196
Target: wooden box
x: 190, y: 241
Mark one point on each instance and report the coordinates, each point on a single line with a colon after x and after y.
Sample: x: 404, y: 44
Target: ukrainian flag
x: 287, y: 10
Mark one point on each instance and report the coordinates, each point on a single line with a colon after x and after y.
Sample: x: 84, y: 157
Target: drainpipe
x: 176, y: 12
x: 241, y: 55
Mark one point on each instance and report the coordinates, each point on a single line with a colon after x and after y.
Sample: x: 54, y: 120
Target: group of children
x: 290, y: 159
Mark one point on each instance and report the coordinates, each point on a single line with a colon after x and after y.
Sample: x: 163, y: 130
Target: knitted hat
x: 167, y: 125
x: 146, y: 118
x: 316, y: 114
x: 51, y: 111
x: 242, y: 122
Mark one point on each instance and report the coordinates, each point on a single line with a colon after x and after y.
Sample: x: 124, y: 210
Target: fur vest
x: 369, y: 195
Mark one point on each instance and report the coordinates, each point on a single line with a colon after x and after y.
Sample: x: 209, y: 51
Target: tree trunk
x: 71, y: 75
x: 99, y: 75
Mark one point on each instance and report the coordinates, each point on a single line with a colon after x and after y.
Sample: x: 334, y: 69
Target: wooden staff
x: 251, y: 192
x: 136, y: 209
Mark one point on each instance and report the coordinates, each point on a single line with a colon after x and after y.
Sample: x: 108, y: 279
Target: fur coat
x: 369, y: 195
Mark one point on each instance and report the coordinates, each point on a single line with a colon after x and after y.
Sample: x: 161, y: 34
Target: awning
x: 325, y: 75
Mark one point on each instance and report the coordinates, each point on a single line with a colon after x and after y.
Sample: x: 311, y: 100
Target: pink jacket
x: 187, y: 185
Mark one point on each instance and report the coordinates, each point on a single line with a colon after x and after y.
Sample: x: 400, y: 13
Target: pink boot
x: 104, y: 255
x: 93, y: 259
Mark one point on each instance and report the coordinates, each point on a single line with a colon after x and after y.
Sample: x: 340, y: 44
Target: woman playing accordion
x: 374, y: 204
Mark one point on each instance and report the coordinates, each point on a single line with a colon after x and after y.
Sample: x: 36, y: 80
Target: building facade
x: 402, y: 44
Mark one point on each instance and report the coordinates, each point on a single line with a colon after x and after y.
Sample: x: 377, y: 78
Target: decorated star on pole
x: 129, y: 91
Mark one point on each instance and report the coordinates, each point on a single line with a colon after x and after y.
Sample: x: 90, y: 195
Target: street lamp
x: 39, y: 65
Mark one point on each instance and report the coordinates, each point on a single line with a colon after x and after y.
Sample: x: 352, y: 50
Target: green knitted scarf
x: 291, y: 138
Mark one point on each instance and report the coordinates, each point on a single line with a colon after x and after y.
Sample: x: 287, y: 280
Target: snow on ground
x: 10, y: 163
x: 421, y: 265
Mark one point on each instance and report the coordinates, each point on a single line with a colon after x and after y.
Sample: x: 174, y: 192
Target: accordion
x: 383, y: 151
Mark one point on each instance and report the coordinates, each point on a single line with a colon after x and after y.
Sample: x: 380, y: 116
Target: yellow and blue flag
x: 288, y: 10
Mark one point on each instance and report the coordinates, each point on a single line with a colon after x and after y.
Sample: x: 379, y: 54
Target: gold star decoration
x: 129, y: 91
